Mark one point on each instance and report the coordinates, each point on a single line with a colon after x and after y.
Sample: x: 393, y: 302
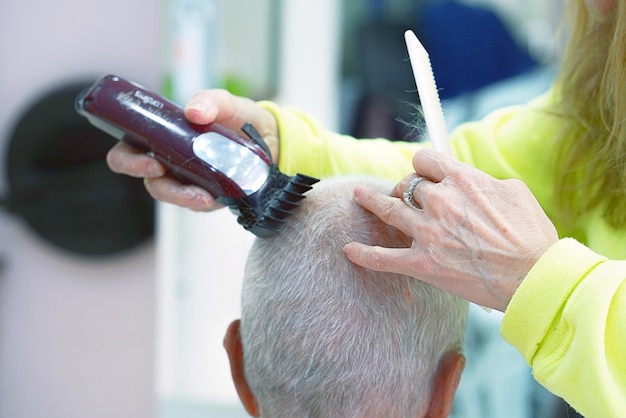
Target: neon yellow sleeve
x: 502, y: 145
x: 307, y: 148
x: 568, y: 319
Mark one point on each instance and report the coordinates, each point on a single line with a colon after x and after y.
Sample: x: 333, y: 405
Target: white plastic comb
x: 429, y: 97
x: 427, y: 90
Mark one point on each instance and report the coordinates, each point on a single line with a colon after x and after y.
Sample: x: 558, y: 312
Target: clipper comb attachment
x: 279, y: 197
x: 280, y: 206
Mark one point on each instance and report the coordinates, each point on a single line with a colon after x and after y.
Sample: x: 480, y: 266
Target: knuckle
x: 390, y: 211
x: 515, y: 183
x: 375, y: 259
x: 216, y: 93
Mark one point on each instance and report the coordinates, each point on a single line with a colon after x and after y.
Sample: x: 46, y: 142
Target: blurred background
x: 113, y: 306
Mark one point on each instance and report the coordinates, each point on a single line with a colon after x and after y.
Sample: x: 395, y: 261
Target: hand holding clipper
x: 237, y: 171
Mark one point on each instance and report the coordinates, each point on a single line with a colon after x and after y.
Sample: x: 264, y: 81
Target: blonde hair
x: 591, y: 169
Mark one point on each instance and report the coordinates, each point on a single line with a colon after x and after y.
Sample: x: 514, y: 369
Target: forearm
x: 567, y: 320
x: 308, y: 148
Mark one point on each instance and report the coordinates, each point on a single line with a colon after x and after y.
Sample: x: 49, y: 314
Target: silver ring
x: 408, y: 194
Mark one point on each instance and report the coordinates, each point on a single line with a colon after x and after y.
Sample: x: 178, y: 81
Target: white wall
x: 76, y: 336
x: 310, y: 58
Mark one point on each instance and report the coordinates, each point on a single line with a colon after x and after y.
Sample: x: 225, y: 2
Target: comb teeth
x: 287, y: 201
x: 300, y: 184
x: 265, y: 214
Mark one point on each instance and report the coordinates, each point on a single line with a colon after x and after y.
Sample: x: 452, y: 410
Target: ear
x: 232, y: 344
x: 447, y: 378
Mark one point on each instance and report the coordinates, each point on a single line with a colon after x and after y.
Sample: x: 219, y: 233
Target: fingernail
x: 199, y: 107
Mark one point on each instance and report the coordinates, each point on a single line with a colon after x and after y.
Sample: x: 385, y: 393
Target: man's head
x: 321, y: 337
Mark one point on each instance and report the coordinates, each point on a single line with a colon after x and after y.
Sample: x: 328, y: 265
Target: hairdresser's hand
x: 476, y: 237
x: 206, y: 106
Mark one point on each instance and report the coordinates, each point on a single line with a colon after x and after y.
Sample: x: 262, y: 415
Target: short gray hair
x: 323, y: 337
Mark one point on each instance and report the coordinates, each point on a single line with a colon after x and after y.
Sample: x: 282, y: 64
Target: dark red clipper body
x: 237, y: 171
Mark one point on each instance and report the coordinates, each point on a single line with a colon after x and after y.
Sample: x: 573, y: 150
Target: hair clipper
x: 239, y: 172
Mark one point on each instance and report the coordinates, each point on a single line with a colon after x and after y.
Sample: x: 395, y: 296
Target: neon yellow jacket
x: 568, y: 318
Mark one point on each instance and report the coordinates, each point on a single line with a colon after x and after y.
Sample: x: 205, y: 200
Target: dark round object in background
x: 60, y: 185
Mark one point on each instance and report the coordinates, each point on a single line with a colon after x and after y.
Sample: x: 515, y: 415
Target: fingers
x: 205, y: 106
x: 422, y: 190
x: 435, y: 165
x: 218, y: 105
x: 394, y: 260
x: 391, y: 210
x: 125, y: 159
x: 430, y: 164
x: 167, y: 189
